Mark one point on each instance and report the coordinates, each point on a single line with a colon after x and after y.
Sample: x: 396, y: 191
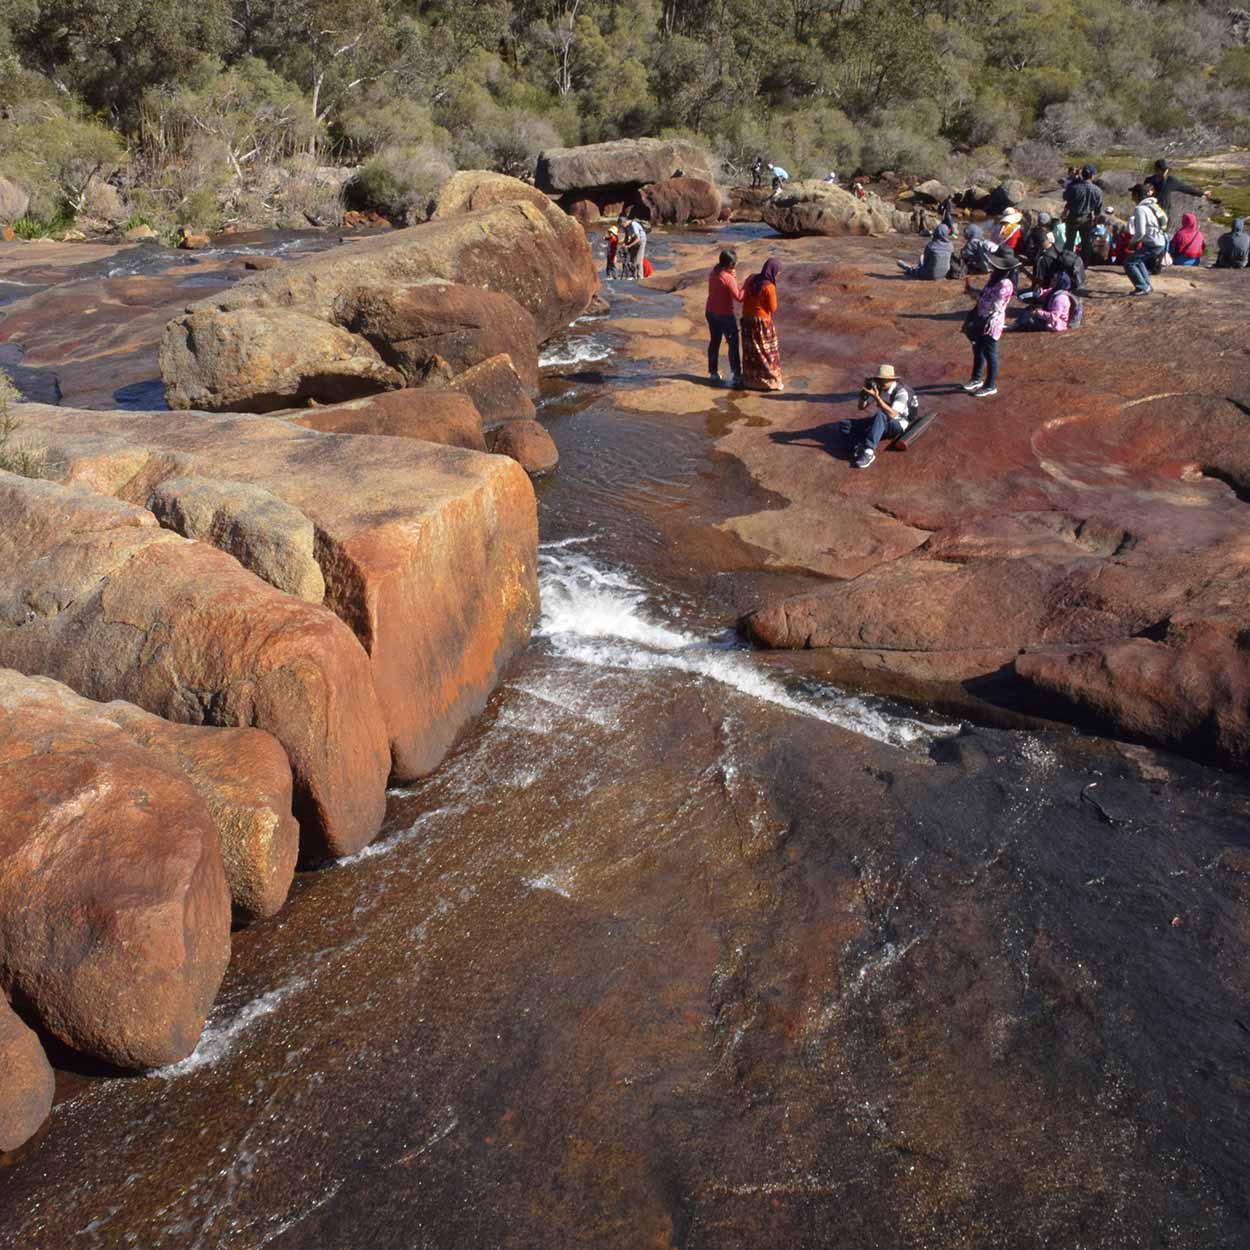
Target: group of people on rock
x: 755, y: 359
x: 626, y: 242
x: 1054, y: 253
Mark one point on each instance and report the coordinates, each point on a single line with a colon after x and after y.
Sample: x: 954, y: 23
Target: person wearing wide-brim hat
x: 984, y: 325
x: 896, y: 408
x: 1007, y: 230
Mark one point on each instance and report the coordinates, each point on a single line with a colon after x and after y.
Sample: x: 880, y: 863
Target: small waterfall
x: 603, y: 617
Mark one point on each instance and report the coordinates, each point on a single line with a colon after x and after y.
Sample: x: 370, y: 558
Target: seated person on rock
x: 1100, y: 243
x: 975, y: 253
x: 936, y: 261
x: 1188, y: 243
x: 1055, y: 309
x: 1034, y: 241
x: 1045, y: 265
x: 1233, y: 248
x: 896, y: 408
x: 1007, y: 231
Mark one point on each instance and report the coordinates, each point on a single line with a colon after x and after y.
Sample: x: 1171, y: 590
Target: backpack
x: 913, y: 404
x: 1070, y: 263
x: 975, y: 255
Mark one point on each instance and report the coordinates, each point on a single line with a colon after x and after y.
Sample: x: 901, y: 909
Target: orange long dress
x: 761, y: 354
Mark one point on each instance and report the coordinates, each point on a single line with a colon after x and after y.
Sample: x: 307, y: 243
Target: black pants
x: 723, y: 326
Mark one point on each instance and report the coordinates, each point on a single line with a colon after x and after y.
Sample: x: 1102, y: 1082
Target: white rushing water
x: 573, y: 350
x: 603, y: 617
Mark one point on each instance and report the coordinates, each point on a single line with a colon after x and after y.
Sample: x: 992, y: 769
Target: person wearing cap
x: 984, y: 325
x: 1084, y: 202
x: 896, y: 408
x: 1148, y: 240
x: 1163, y: 183
x: 612, y: 241
x: 1007, y: 231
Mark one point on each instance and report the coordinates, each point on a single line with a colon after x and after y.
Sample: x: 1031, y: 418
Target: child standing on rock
x: 612, y: 241
x: 983, y: 326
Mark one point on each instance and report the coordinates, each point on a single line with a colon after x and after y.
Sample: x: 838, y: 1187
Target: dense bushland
x: 207, y: 110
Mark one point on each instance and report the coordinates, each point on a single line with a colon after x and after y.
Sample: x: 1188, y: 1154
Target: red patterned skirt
x: 761, y: 355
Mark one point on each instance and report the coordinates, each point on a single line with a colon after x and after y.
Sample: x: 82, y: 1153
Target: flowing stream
x: 605, y: 979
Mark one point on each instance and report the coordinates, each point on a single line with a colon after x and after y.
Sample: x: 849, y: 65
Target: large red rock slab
x: 114, y: 909
x: 528, y: 444
x: 27, y: 1085
x: 429, y: 327
x: 823, y: 208
x: 619, y: 163
x: 429, y: 553
x: 1093, y: 511
x: 243, y: 360
x: 100, y: 598
x: 531, y: 252
x: 241, y: 774
x: 1189, y: 692
x: 472, y: 190
x: 679, y: 201
x: 498, y: 392
x: 435, y: 416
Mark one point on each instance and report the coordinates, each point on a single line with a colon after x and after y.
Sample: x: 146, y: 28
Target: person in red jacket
x: 723, y: 292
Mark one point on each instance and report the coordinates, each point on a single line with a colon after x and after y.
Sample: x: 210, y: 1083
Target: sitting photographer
x: 896, y: 408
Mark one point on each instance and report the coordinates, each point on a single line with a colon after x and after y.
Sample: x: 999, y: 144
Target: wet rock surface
x: 685, y: 947
x: 1074, y: 544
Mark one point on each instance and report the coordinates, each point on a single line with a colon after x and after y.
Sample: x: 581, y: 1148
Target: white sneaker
x: 865, y: 457
x: 985, y: 392
x: 974, y: 385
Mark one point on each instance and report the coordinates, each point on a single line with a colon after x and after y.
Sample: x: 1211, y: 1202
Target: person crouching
x: 896, y: 408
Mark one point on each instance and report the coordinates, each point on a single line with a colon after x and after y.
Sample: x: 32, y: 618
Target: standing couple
x: 759, y: 364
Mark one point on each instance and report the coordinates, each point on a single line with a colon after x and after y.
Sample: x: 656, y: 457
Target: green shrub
x: 29, y: 227
x: 54, y: 151
x: 398, y: 182
x: 24, y: 459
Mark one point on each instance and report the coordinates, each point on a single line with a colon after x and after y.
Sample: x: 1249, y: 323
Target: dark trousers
x: 1084, y: 226
x: 723, y: 326
x: 985, y: 357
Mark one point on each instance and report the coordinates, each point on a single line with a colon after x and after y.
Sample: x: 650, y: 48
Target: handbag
x: 974, y: 326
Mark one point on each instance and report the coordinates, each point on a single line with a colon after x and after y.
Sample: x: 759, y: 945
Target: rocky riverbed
x: 686, y: 946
